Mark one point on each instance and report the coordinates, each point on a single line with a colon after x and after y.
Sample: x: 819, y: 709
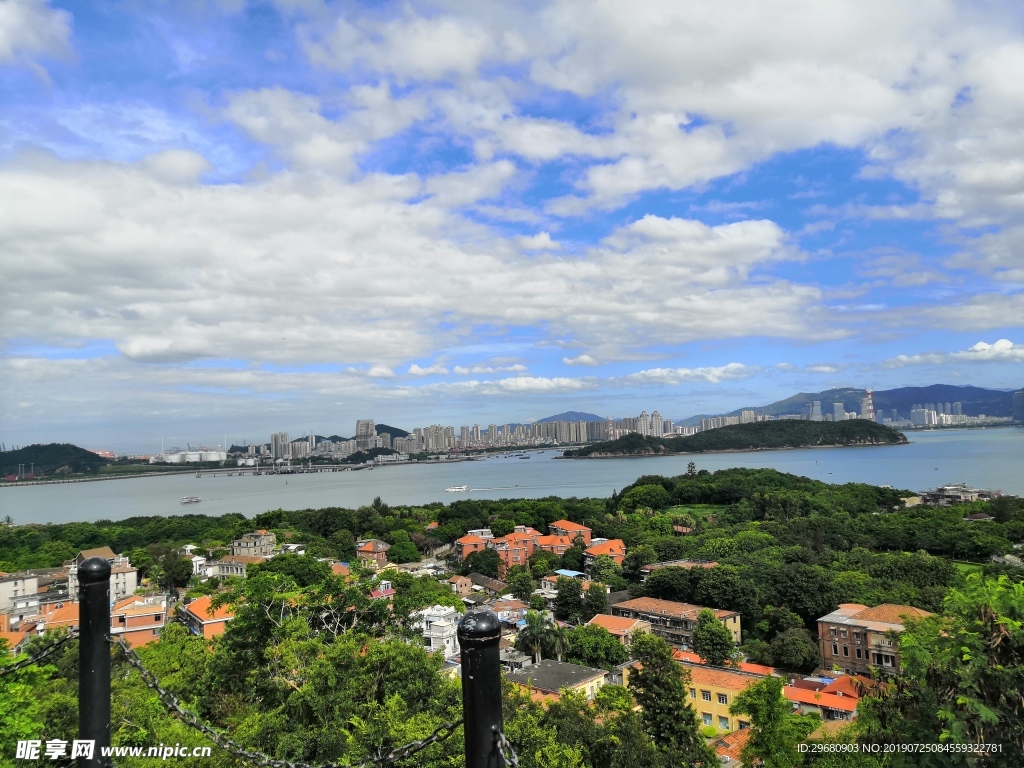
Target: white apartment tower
x: 280, y: 446
x: 657, y: 425
x: 643, y: 424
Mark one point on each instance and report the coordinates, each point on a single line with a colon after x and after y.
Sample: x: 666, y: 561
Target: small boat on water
x: 190, y: 499
x: 457, y: 488
x: 523, y: 457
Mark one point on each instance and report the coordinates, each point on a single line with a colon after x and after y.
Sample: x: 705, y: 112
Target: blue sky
x: 240, y: 217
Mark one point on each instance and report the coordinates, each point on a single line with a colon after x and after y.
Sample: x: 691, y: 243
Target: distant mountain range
x: 974, y: 401
x: 571, y: 416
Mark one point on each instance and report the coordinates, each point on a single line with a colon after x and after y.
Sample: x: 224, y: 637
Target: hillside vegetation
x: 50, y: 459
x: 764, y: 435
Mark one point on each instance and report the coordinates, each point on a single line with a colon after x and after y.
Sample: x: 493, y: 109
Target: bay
x: 983, y: 458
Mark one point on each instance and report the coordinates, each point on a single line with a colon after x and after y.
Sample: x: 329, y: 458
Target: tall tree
x: 595, y: 601
x: 712, y: 640
x: 569, y: 600
x: 659, y: 687
x: 535, y: 634
x: 774, y: 731
x: 521, y: 585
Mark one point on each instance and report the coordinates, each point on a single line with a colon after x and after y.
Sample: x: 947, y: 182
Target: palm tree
x: 536, y: 633
x: 8, y: 521
x: 558, y: 637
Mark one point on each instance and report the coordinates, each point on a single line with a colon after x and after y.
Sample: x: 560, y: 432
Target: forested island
x: 297, y: 678
x: 760, y: 436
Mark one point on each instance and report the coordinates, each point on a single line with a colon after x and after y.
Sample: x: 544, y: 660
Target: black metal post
x: 479, y: 638
x: 94, y: 659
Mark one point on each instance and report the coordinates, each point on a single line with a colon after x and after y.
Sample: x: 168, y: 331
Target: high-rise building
x: 643, y: 424
x: 867, y: 406
x: 657, y: 425
x: 365, y: 428
x: 838, y: 412
x: 814, y: 410
x: 1018, y: 406
x: 280, y: 447
x: 747, y: 417
x: 958, y: 409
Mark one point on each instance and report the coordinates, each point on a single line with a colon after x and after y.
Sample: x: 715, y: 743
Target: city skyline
x: 242, y: 217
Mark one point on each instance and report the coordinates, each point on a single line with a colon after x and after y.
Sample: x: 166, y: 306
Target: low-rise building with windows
x: 856, y: 638
x: 550, y: 677
x: 673, y: 621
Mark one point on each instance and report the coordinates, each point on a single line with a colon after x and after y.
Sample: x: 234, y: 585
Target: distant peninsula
x: 760, y: 436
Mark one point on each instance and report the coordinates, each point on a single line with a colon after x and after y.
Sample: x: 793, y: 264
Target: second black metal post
x: 479, y: 638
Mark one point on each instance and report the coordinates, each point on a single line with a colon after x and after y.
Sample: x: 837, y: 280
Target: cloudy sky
x: 238, y: 217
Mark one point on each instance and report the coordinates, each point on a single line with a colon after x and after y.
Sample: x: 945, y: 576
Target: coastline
x: 729, y: 450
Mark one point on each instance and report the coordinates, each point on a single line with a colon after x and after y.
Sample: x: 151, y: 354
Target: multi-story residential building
x: 570, y: 529
x: 139, y: 620
x: 124, y: 579
x: 856, y: 638
x: 468, y: 544
x: 440, y: 624
x: 259, y: 543
x: 372, y: 553
x: 232, y: 566
x: 202, y: 619
x: 613, y: 548
x: 280, y: 446
x: 673, y: 621
x: 713, y: 690
x: 15, y: 585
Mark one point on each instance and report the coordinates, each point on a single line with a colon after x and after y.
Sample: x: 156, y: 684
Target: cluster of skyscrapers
x: 439, y: 438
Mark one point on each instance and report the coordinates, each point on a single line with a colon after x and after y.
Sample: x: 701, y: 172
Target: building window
x: 723, y: 699
x: 743, y: 724
x: 723, y: 723
x: 846, y: 650
x: 858, y: 654
x: 693, y: 693
x: 707, y: 718
x: 835, y: 649
x: 834, y: 631
x: 706, y: 695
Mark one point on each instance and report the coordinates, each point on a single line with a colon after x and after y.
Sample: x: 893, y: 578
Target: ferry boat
x: 190, y: 499
x: 457, y: 488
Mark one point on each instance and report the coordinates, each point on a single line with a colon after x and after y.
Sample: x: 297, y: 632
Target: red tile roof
x: 848, y: 685
x: 617, y: 625
x: 200, y: 608
x: 469, y: 538
x: 567, y: 525
x: 890, y: 613
x: 701, y: 674
x: 731, y: 745
x: 820, y: 699
x: 654, y: 606
x: 611, y: 547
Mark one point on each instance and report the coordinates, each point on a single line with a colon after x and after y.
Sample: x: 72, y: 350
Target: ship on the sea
x: 190, y: 499
x: 457, y: 488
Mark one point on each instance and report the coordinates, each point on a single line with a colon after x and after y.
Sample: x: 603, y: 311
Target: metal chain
x: 171, y: 702
x: 47, y: 650
x: 508, y: 754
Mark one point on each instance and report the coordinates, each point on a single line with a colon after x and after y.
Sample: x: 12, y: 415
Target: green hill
x: 50, y: 459
x: 765, y: 435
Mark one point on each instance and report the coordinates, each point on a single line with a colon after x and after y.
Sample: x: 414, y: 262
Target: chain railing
x: 43, y: 653
x: 172, y: 704
x: 508, y: 754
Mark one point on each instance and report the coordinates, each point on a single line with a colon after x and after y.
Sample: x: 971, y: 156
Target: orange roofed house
x: 201, y: 620
x: 673, y: 621
x: 620, y: 627
x: 372, y: 553
x: 855, y: 637
x: 469, y: 544
x: 613, y: 548
x: 570, y: 529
